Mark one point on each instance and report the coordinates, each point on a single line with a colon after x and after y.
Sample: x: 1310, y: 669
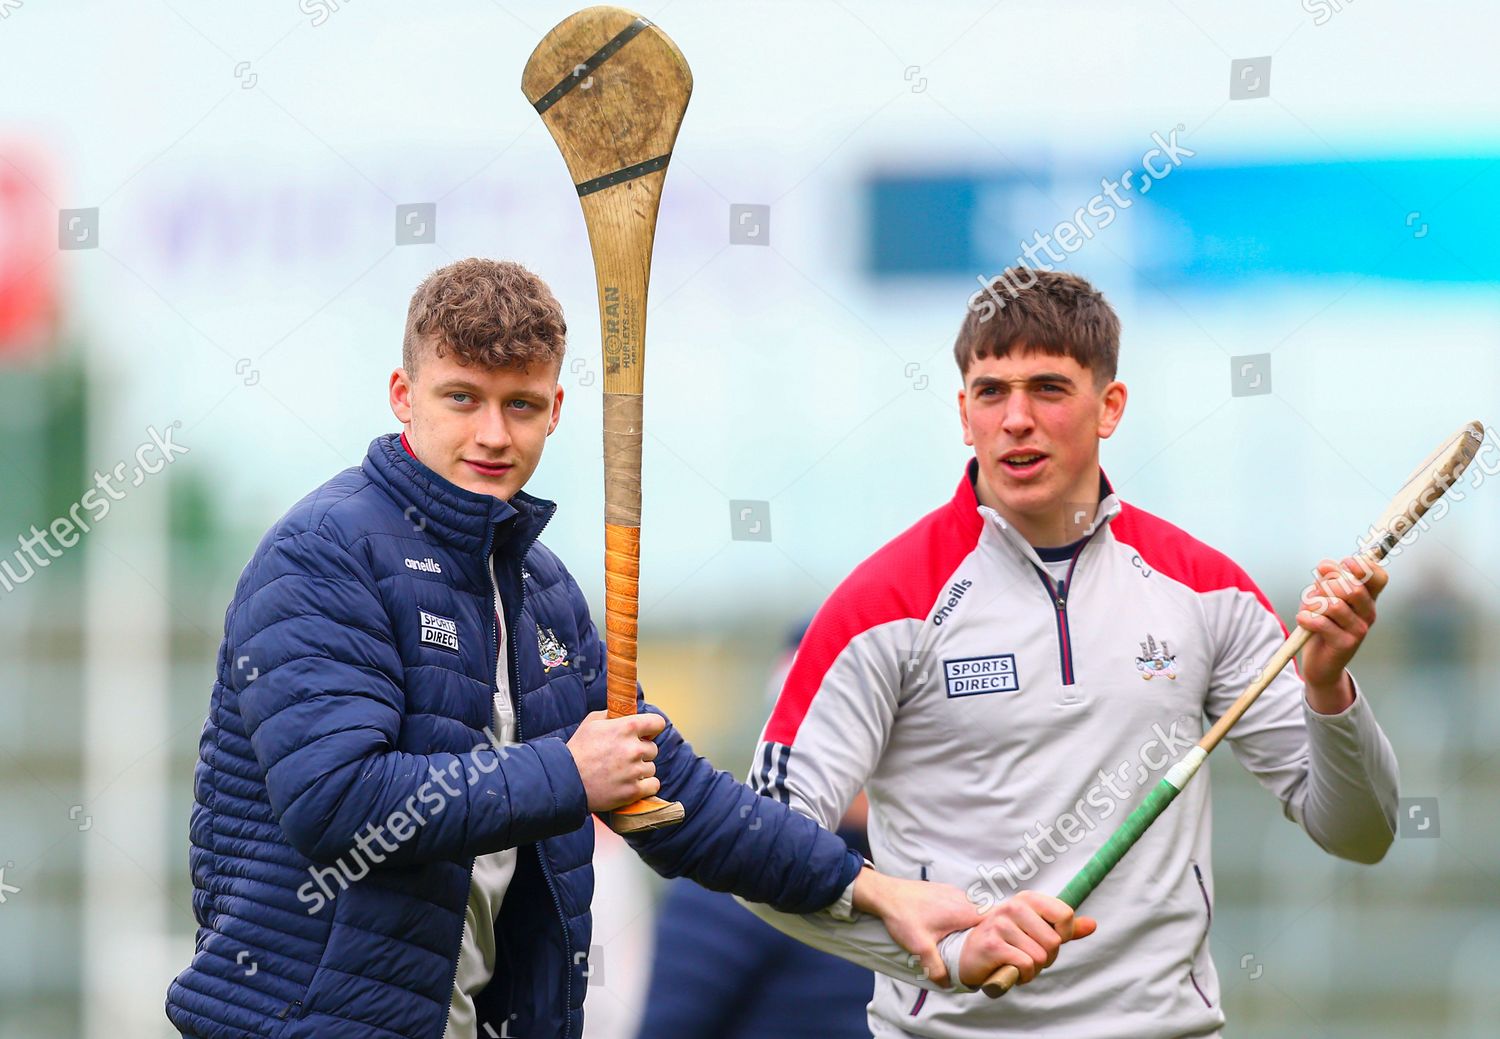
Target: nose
x: 1017, y: 419
x: 492, y: 433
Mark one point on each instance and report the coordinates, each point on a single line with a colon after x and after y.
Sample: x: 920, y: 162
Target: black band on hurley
x: 619, y: 176
x: 581, y: 71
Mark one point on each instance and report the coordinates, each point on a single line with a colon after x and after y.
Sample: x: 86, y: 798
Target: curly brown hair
x: 1052, y: 313
x: 493, y: 313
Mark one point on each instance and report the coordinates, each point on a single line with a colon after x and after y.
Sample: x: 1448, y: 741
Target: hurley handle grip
x: 622, y: 571
x: 1104, y: 860
x: 1001, y: 982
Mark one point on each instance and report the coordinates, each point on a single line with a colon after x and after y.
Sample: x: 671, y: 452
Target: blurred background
x: 212, y: 218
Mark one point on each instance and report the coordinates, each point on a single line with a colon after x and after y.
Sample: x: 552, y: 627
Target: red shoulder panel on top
x: 902, y: 579
x: 1177, y: 554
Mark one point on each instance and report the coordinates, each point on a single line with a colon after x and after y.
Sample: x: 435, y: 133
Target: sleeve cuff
x: 1353, y: 714
x: 842, y: 908
x: 562, y: 773
x: 951, y: 950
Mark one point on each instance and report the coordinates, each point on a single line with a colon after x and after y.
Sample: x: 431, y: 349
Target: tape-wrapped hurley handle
x: 612, y: 88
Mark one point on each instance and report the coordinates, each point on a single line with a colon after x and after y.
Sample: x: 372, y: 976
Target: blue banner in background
x: 1416, y: 220
x: 925, y: 224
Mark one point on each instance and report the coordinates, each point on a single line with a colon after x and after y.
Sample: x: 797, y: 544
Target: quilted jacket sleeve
x: 320, y: 691
x: 731, y: 838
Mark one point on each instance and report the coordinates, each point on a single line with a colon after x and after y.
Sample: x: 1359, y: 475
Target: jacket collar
x: 966, y: 500
x: 450, y: 513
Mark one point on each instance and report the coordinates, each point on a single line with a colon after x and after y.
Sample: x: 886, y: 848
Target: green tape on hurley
x: 1129, y: 831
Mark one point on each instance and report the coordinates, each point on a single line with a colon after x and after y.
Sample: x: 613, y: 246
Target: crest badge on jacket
x: 554, y: 653
x: 1156, y: 661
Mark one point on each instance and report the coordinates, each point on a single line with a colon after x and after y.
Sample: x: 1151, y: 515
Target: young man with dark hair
x: 1009, y: 676
x: 391, y: 835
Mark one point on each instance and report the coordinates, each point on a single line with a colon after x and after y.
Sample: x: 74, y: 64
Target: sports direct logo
x: 975, y: 675
x: 439, y: 631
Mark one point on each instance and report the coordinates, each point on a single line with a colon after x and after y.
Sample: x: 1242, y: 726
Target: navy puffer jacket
x: 345, y: 781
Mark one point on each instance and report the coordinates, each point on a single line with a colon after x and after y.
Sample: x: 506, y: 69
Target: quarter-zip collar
x: 461, y: 518
x: 1057, y: 591
x: 966, y: 500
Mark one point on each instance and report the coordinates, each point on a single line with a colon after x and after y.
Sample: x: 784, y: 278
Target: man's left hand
x: 1339, y: 609
x: 917, y: 914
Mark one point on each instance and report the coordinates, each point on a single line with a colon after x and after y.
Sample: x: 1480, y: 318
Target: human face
x: 1047, y: 410
x: 482, y: 429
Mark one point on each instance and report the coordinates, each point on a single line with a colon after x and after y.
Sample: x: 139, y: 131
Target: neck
x: 1060, y: 523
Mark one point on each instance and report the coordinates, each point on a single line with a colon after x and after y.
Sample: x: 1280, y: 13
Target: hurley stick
x: 612, y: 89
x: 1423, y: 488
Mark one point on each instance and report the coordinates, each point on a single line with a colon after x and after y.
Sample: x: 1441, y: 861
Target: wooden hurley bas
x: 1428, y: 483
x: 612, y: 89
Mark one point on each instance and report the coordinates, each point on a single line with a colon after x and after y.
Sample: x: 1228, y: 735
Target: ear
x: 1111, y: 408
x: 557, y: 400
x: 963, y: 417
x: 401, y: 396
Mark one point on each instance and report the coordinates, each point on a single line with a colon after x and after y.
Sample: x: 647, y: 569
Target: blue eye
x: 454, y: 397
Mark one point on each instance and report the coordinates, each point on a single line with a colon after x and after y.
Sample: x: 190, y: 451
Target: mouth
x: 487, y: 468
x: 1023, y: 463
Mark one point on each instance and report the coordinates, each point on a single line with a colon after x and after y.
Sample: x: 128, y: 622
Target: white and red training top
x: 1006, y: 711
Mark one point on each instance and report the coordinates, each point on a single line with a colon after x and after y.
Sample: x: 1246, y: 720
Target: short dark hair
x: 1052, y: 313
x: 493, y: 313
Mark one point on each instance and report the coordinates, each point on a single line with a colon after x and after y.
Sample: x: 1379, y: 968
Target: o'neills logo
x: 955, y: 593
x: 428, y: 565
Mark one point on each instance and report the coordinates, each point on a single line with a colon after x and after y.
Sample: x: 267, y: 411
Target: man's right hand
x: 917, y: 914
x: 1024, y: 931
x: 616, y: 758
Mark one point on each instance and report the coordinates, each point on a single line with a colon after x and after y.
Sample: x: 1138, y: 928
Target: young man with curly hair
x: 391, y: 833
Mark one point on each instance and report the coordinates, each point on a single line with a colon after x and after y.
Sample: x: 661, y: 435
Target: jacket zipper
x: 515, y: 664
x: 463, y: 927
x: 498, y: 605
x: 1208, y: 907
x: 916, y: 1008
x: 1203, y: 888
x: 1059, y: 595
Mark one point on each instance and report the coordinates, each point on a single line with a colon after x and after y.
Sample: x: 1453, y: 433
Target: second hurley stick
x: 1422, y: 490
